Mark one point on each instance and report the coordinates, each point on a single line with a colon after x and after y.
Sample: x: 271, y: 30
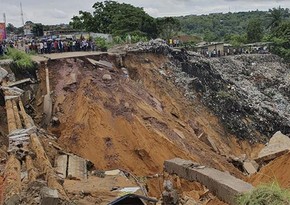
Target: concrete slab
x: 92, y: 61
x: 271, y: 152
x: 249, y: 167
x: 19, y: 82
x: 47, y: 108
x: 280, y: 138
x: 77, y: 168
x: 61, y: 166
x: 278, y: 145
x: 223, y: 185
x: 104, y: 64
x: 49, y: 196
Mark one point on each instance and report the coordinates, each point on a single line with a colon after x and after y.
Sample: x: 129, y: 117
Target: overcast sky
x: 61, y: 11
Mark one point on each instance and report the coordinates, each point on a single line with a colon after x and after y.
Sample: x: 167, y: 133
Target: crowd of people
x: 59, y: 46
x: 48, y: 46
x: 3, y: 48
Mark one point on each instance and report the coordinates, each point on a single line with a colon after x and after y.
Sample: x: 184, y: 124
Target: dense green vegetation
x: 269, y: 194
x: 219, y: 26
x: 22, y: 62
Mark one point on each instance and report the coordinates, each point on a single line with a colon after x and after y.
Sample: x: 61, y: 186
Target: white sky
x: 61, y: 11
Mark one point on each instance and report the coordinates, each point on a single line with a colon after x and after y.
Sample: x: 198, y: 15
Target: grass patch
x: 21, y: 59
x: 22, y: 65
x: 268, y: 194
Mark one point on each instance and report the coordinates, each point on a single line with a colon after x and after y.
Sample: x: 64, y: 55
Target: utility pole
x: 22, y: 18
x: 4, y: 18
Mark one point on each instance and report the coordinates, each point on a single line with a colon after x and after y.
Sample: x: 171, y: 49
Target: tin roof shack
x: 258, y: 47
x: 214, y: 49
x: 133, y: 199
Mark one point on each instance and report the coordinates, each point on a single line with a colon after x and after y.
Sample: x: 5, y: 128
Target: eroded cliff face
x: 249, y: 93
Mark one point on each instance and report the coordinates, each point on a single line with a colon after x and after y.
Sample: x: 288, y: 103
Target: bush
x: 101, y: 43
x: 268, y: 194
x: 22, y: 62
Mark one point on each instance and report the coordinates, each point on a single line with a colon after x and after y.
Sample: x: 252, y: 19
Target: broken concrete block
x: 92, y: 61
x: 271, y: 152
x: 209, y: 141
x: 280, y: 138
x: 105, y: 64
x: 223, y: 185
x: 3, y: 74
x: 113, y: 172
x: 107, y: 77
x: 77, y: 168
x: 49, y: 196
x: 61, y: 166
x: 278, y: 145
x: 249, y: 167
x: 72, y: 79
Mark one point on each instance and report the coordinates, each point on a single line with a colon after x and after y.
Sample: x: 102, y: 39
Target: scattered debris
x: 107, y: 77
x: 49, y: 196
x: 3, y: 74
x: 225, y: 186
x: 169, y: 195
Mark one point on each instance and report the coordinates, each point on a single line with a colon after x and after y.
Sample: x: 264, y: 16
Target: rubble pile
x: 154, y: 46
x: 249, y: 93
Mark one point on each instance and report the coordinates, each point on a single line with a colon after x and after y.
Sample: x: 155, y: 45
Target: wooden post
x: 46, y: 166
x: 12, y: 176
x: 16, y: 115
x: 32, y: 173
x: 10, y: 117
x: 24, y: 115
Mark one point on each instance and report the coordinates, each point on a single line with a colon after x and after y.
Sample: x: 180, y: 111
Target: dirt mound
x: 277, y: 170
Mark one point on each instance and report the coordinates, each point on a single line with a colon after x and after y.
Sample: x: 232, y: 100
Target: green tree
x: 37, y: 29
x: 281, y: 40
x: 254, y: 31
x: 276, y: 15
x: 168, y: 27
x: 10, y: 28
x: 116, y: 18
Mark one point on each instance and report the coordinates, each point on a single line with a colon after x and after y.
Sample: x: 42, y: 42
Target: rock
x: 13, y: 200
x: 271, y: 152
x: 72, y: 79
x: 127, y: 105
x: 167, y: 185
x: 113, y: 172
x: 107, y: 77
x: 55, y: 121
x: 278, y: 145
x: 249, y: 167
x: 105, y: 64
x: 280, y: 138
x: 209, y: 141
x: 49, y: 196
x: 3, y: 74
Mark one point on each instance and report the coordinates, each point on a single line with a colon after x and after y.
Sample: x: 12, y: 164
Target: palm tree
x: 276, y: 15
